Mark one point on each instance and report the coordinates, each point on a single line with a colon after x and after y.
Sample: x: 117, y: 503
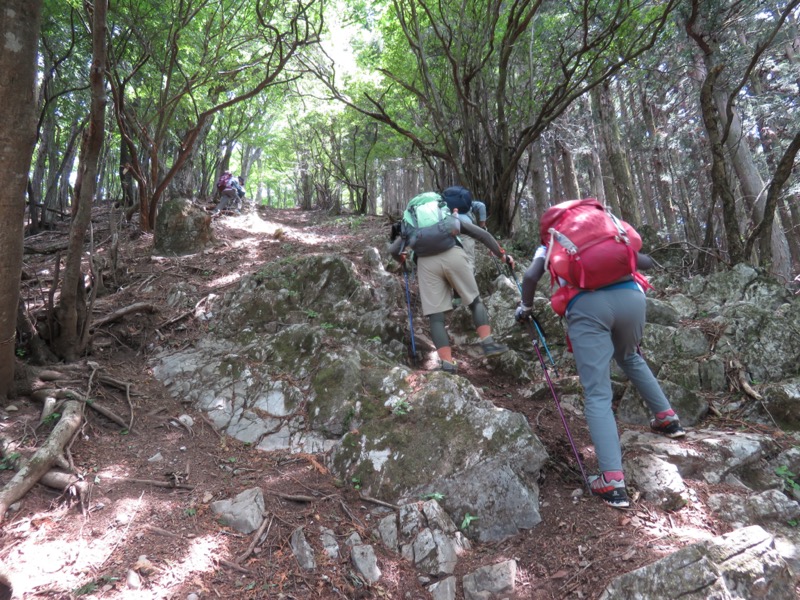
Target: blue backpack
x: 458, y: 197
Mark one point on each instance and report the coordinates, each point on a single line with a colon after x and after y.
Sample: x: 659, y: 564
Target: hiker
x: 238, y: 185
x: 603, y: 324
x: 459, y: 200
x: 227, y: 192
x: 431, y: 232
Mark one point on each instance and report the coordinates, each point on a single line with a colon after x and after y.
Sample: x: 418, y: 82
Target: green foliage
x: 401, y: 408
x: 789, y: 479
x: 433, y: 496
x: 9, y: 461
x: 94, y: 585
x: 52, y: 418
x: 467, y: 521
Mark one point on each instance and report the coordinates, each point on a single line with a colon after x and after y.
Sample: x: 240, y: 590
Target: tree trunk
x: 19, y: 30
x: 71, y: 338
x: 538, y: 177
x: 623, y: 182
x: 571, y: 189
x: 774, y: 248
x: 609, y: 189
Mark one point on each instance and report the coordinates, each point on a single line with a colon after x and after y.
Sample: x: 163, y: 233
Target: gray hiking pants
x: 228, y: 196
x: 603, y: 325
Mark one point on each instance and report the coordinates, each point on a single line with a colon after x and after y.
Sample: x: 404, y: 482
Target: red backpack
x: 223, y: 180
x: 587, y: 246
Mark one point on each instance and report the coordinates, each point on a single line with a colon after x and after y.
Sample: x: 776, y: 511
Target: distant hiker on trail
x: 432, y: 234
x: 227, y: 192
x: 460, y: 202
x: 605, y: 317
x: 470, y: 211
x: 238, y: 185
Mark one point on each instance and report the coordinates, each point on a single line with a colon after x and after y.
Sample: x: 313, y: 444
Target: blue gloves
x: 523, y: 313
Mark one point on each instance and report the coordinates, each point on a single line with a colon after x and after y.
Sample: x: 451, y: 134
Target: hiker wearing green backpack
x: 429, y: 235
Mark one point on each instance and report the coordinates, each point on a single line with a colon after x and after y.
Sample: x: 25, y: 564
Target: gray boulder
x: 740, y: 565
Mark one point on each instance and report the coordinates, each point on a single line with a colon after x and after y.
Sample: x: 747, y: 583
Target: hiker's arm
x: 644, y: 262
x: 487, y: 239
x: 396, y: 248
x: 483, y: 236
x: 479, y: 210
x: 531, y: 279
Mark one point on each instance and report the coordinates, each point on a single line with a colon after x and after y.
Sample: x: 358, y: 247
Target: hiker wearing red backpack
x: 593, y: 259
x: 227, y: 192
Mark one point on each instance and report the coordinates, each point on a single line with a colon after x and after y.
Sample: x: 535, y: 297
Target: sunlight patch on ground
x: 46, y: 560
x: 199, y: 557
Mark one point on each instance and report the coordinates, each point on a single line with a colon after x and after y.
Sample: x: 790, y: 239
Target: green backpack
x: 428, y: 228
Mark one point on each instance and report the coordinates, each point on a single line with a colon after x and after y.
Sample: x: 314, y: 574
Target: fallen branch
x: 293, y: 497
x: 742, y: 378
x: 164, y: 532
x: 376, y: 501
x: 30, y: 474
x: 234, y: 566
x: 174, y: 320
x: 41, y: 395
x: 118, y: 314
x: 265, y: 524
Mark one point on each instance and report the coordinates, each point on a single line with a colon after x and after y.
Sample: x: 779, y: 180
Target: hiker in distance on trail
x: 594, y: 258
x: 228, y: 187
x: 430, y: 236
x: 468, y: 210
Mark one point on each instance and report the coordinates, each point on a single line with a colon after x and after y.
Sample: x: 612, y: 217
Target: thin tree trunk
x: 19, y: 30
x: 774, y: 249
x: 609, y: 189
x: 571, y: 190
x: 623, y: 181
x: 71, y: 338
x: 537, y: 171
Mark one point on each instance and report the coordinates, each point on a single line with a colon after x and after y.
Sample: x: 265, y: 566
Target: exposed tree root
x: 44, y: 458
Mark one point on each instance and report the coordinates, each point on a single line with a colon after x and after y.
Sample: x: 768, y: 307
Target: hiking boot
x: 669, y: 426
x: 449, y: 367
x: 611, y: 492
x: 492, y: 348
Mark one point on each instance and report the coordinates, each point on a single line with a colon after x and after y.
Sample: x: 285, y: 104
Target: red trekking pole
x: 530, y: 324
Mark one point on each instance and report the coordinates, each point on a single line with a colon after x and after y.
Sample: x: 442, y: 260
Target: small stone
x: 156, y: 457
x: 133, y: 580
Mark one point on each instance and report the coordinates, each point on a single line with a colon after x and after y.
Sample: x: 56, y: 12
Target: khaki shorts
x: 439, y: 275
x: 469, y: 248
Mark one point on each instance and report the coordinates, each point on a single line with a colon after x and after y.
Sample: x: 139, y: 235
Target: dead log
x: 118, y: 314
x: 44, y: 458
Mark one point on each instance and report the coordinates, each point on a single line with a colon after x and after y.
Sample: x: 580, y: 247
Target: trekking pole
x: 410, y: 319
x: 535, y: 324
x: 496, y: 264
x: 530, y: 324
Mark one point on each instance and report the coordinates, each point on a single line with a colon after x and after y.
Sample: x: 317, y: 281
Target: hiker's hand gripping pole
x: 530, y: 324
x: 535, y: 324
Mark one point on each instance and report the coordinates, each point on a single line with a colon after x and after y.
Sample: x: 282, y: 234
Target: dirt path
x: 147, y: 531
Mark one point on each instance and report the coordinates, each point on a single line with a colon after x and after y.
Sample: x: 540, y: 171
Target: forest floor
x: 147, y: 530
